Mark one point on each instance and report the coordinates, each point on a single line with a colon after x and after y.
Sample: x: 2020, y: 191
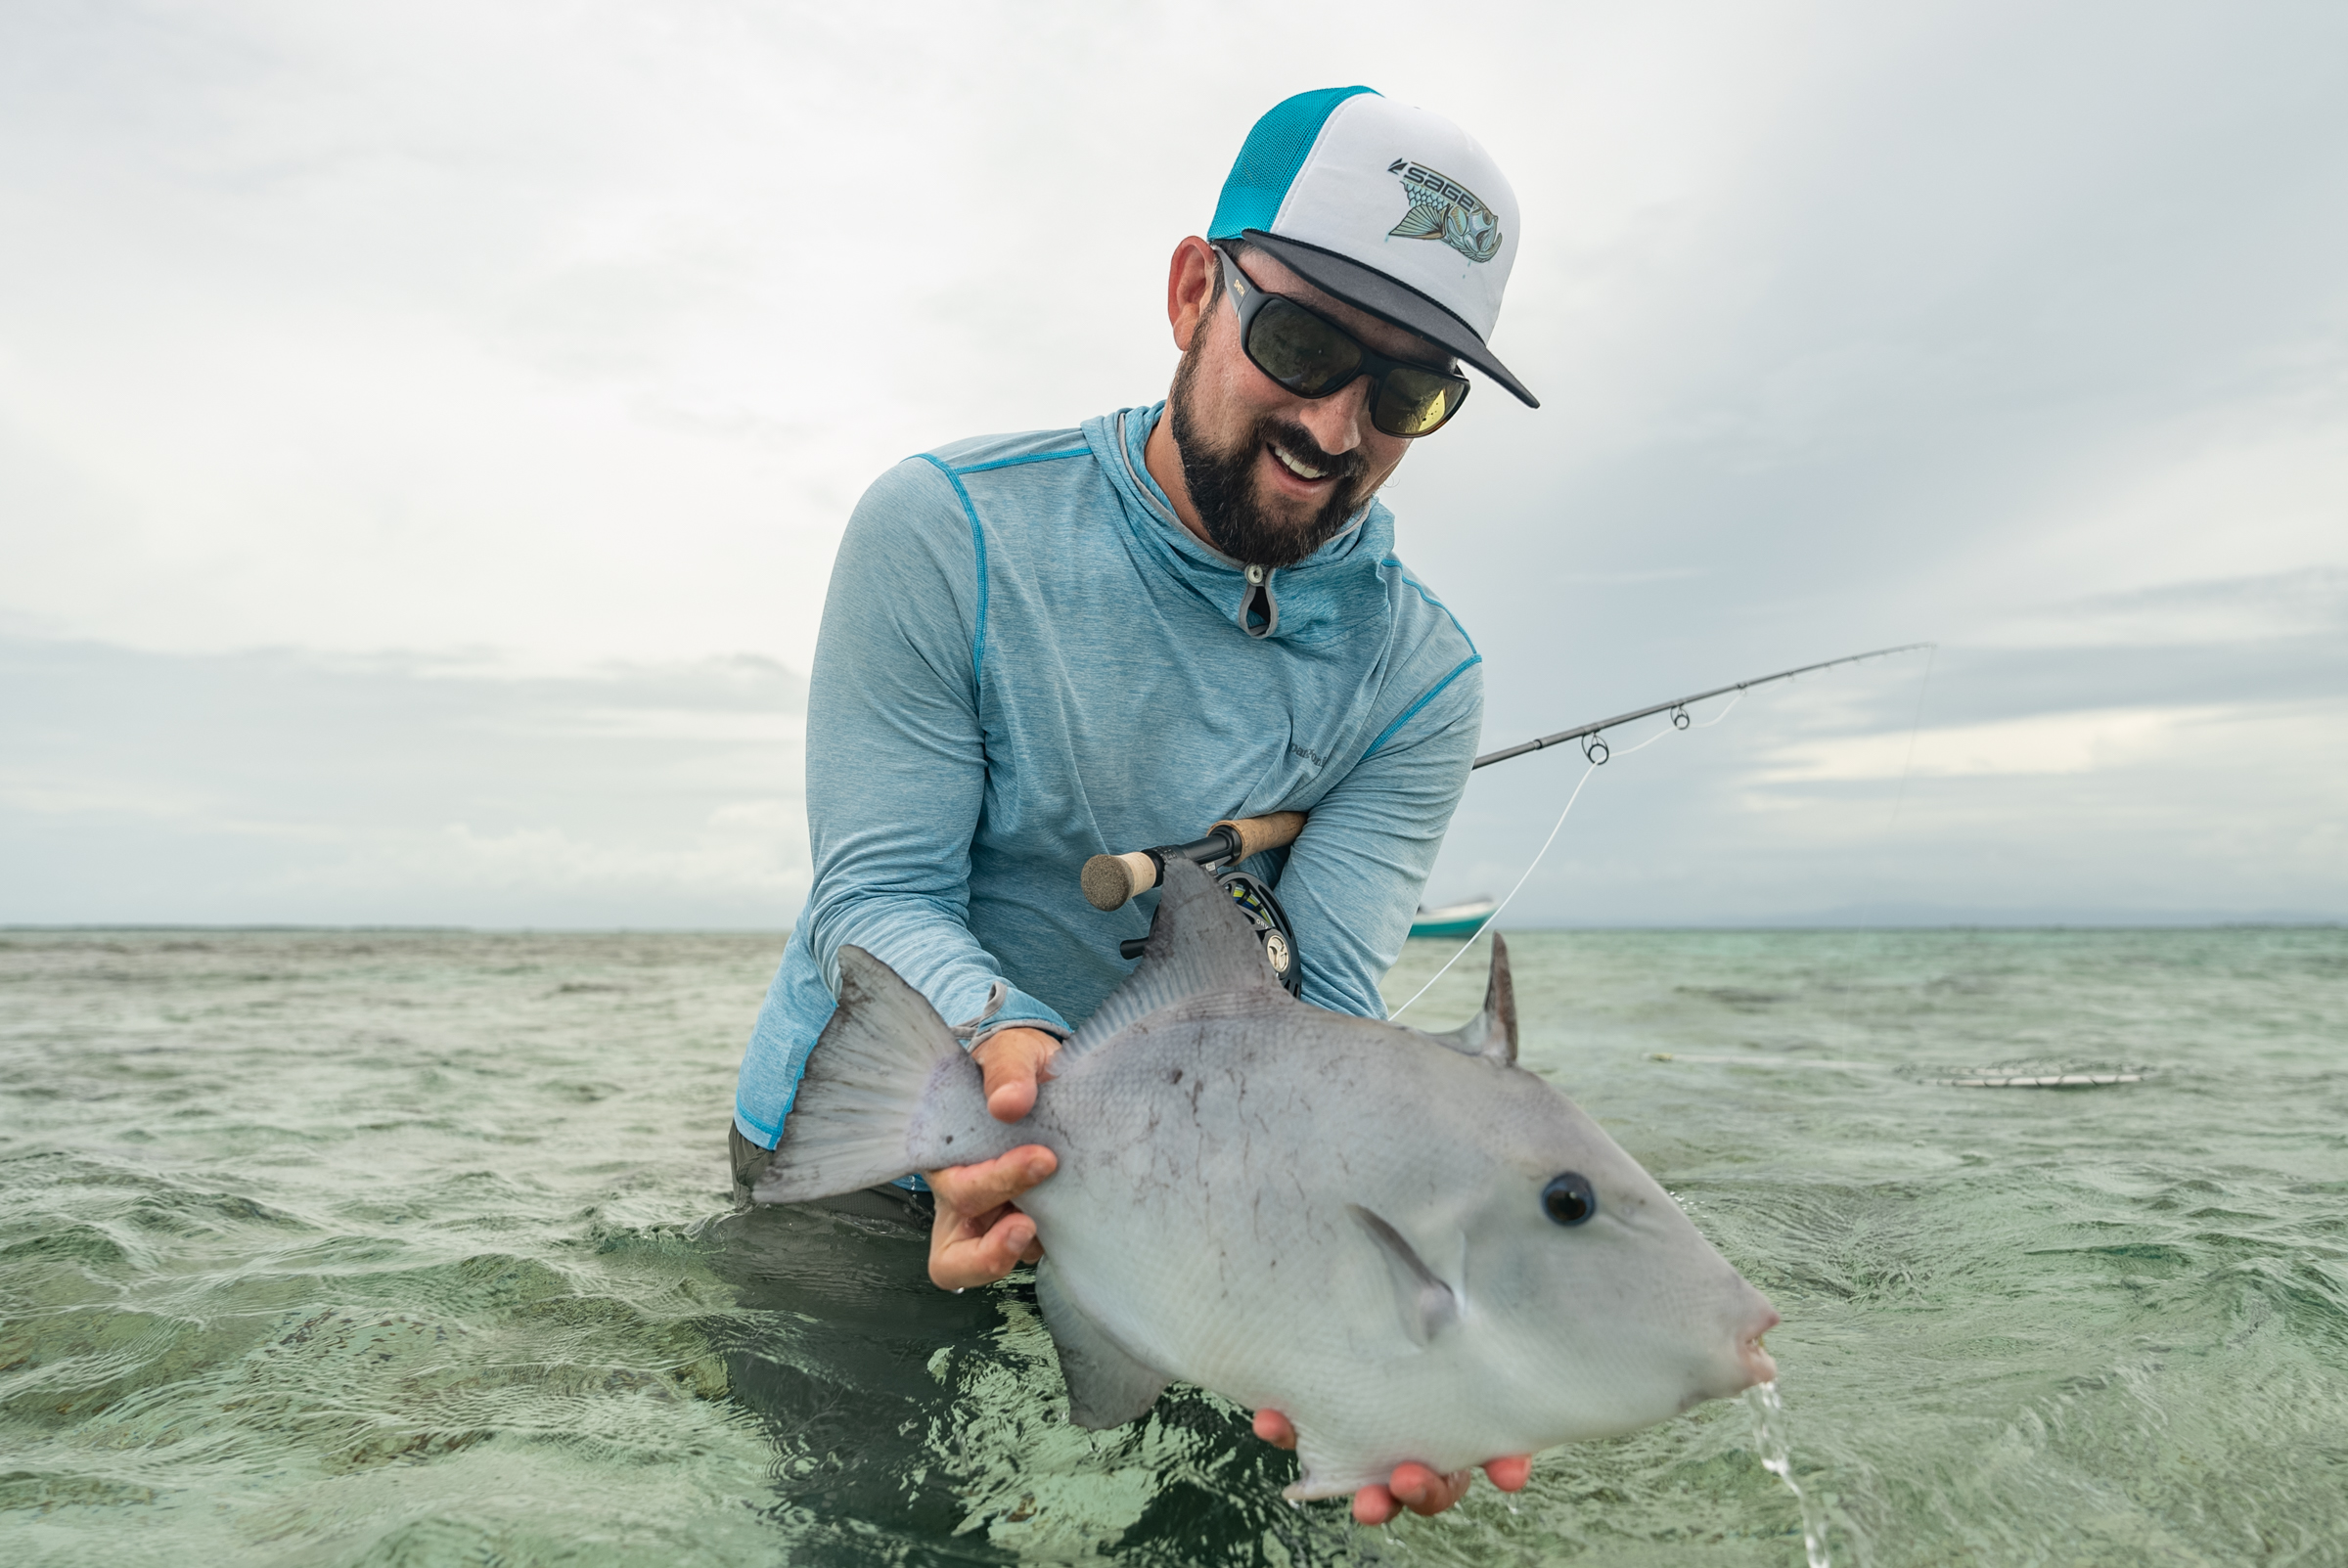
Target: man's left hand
x: 1415, y: 1487
x: 980, y: 1235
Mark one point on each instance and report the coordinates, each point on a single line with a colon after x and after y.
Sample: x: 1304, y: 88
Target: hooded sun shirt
x: 1026, y: 660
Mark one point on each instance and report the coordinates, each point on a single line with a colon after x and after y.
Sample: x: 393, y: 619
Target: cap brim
x: 1368, y: 289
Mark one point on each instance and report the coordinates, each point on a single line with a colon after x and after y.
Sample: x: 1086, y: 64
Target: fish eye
x: 1568, y: 1198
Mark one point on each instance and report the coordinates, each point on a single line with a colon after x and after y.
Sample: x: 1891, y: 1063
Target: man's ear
x: 1191, y: 279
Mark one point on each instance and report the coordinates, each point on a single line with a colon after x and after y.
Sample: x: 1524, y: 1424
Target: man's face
x: 1274, y: 476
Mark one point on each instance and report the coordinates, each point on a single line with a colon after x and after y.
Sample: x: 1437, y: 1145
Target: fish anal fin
x: 1107, y: 1387
x: 1320, y: 1472
x: 1425, y: 1304
x: 1492, y: 1033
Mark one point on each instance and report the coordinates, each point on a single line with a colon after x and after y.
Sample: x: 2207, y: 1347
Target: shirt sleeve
x: 896, y: 751
x: 1354, y: 878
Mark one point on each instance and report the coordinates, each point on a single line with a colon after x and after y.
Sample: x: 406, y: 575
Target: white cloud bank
x: 493, y: 365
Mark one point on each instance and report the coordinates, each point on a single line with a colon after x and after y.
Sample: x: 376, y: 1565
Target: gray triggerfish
x: 1408, y: 1245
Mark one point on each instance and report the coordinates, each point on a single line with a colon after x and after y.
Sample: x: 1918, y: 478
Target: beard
x: 1227, y: 493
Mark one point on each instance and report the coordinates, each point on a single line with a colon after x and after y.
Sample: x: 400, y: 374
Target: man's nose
x: 1337, y: 420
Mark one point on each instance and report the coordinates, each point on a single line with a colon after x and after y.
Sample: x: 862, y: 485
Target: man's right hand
x: 1415, y: 1487
x: 979, y: 1236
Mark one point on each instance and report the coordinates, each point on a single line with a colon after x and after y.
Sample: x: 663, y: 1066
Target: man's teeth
x: 1302, y: 470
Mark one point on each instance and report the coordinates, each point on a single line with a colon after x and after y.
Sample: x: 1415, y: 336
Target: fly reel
x: 1269, y: 921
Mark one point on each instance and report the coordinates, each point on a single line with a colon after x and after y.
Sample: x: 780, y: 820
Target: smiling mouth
x: 1295, y: 465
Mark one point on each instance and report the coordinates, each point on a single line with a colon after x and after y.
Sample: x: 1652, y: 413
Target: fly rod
x: 1110, y: 882
x: 1595, y: 749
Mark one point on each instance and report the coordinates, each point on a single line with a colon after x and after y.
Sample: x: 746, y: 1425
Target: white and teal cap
x: 1391, y: 208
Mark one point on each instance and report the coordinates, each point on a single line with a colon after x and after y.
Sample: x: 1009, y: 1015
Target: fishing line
x: 1708, y: 723
x: 1596, y: 754
x: 1914, y: 726
x: 1591, y: 768
x: 1503, y: 903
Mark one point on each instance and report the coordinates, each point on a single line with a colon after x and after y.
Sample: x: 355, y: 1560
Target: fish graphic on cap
x: 1442, y: 209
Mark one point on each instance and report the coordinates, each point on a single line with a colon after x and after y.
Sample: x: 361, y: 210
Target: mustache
x: 1299, y: 444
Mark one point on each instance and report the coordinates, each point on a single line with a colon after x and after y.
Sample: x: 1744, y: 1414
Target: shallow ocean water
x: 414, y: 1248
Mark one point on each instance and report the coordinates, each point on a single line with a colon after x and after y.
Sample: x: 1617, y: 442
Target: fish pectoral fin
x: 1426, y: 1304
x: 1107, y: 1387
x: 1417, y: 224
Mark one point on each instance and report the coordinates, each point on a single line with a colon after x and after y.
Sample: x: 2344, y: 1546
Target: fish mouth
x: 1755, y: 1362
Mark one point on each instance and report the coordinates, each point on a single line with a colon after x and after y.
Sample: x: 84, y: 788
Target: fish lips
x: 1743, y: 1361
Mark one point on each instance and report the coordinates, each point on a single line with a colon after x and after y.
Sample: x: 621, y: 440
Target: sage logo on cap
x: 1442, y: 209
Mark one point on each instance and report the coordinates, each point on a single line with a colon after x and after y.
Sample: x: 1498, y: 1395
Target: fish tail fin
x: 852, y: 1123
x: 1417, y: 224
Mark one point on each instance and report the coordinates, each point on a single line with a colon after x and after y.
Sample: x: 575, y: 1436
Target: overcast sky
x: 424, y: 430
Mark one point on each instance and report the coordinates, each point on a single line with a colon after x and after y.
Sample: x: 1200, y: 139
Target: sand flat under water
x: 411, y: 1248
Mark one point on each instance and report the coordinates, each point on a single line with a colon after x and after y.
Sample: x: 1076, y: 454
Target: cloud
x: 549, y: 346
x: 2044, y: 744
x: 288, y: 787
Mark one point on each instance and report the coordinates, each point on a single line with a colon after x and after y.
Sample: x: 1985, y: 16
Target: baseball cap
x: 1391, y: 208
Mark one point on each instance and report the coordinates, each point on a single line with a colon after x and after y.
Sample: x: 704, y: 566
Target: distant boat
x: 1453, y: 919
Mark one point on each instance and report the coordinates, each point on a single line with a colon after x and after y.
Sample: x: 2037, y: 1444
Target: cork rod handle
x: 1276, y: 830
x: 1110, y: 880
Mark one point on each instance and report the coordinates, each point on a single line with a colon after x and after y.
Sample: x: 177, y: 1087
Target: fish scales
x: 1344, y: 1219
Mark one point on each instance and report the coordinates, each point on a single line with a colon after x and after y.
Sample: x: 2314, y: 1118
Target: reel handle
x: 1111, y: 881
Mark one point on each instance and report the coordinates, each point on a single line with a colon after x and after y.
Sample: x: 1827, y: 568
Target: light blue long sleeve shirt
x: 1026, y: 660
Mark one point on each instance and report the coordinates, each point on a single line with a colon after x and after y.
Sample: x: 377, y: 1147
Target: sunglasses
x: 1314, y: 357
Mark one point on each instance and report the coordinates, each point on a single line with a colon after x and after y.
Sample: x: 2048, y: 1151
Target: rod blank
x: 1563, y: 736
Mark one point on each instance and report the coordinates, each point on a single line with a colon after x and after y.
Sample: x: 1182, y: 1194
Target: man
x: 1040, y: 648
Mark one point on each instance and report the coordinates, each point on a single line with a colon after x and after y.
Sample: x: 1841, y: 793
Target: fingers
x: 973, y: 1190
x: 1013, y: 1062
x: 1511, y: 1473
x: 1275, y: 1429
x: 1419, y: 1489
x: 979, y: 1252
x: 1415, y: 1487
x: 1424, y: 1492
x: 978, y: 1236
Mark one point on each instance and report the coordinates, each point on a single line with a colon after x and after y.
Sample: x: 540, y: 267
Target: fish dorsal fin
x: 1492, y: 1033
x: 1199, y: 945
x: 1426, y: 1304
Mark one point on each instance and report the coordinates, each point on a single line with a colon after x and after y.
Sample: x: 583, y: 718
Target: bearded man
x: 1041, y: 648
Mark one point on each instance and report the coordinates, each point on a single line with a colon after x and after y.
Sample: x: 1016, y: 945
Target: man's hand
x: 1014, y: 1061
x: 1412, y: 1485
x: 979, y: 1236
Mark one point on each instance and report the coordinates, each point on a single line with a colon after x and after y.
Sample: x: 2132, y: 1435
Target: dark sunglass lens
x: 1302, y: 351
x: 1414, y: 401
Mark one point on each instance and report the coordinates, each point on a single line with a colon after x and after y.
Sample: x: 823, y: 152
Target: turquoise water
x: 413, y: 1248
